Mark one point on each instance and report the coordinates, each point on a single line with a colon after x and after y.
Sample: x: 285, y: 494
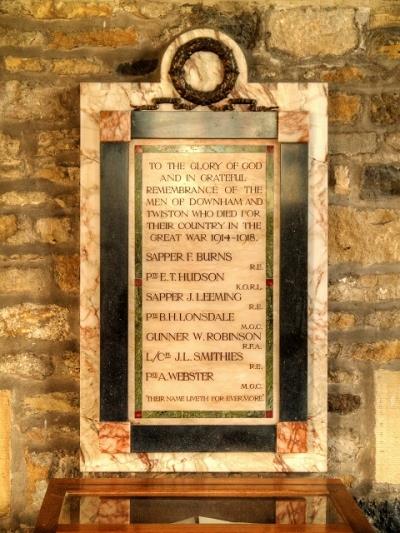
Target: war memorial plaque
x: 204, y: 255
x: 203, y: 268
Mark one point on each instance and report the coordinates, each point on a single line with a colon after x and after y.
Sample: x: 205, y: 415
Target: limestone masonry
x: 48, y: 47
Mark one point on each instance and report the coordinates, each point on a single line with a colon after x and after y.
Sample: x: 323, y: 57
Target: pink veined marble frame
x: 105, y: 115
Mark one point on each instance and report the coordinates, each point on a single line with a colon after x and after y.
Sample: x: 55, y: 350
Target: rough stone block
x: 25, y: 233
x: 68, y: 201
x: 77, y: 67
x: 385, y: 44
x: 32, y: 8
x: 8, y: 227
x: 63, y: 9
x: 9, y: 150
x: 29, y: 231
x: 386, y: 319
x: 115, y: 38
x: 345, y: 447
x: 352, y: 143
x: 26, y: 365
x: 66, y: 67
x: 343, y: 404
x: 29, y: 64
x: 41, y: 466
x: 53, y: 230
x: 5, y: 453
x: 67, y: 365
x: 391, y: 50
x: 385, y: 108
x: 241, y: 24
x: 387, y: 431
x: 35, y: 321
x: 341, y: 321
x: 25, y: 198
x: 366, y: 288
x: 38, y: 198
x: 46, y: 169
x: 40, y: 435
x: 343, y: 74
x: 25, y: 100
x: 379, y: 352
x: 306, y: 32
x: 344, y: 108
x: 60, y: 402
x: 11, y: 165
x: 67, y: 9
x: 37, y: 472
x: 23, y: 260
x: 152, y: 9
x: 56, y: 142
x: 363, y: 236
x: 343, y: 377
x: 66, y: 272
x: 380, y: 181
x: 14, y: 37
x: 393, y: 140
x: 341, y: 175
x: 385, y: 17
x: 25, y: 280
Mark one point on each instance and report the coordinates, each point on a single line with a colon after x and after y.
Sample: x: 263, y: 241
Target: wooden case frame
x: 202, y: 487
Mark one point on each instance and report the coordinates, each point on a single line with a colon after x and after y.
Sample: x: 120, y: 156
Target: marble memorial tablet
x: 202, y: 258
x: 203, y: 269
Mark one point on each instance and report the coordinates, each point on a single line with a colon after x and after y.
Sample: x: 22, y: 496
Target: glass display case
x: 199, y: 505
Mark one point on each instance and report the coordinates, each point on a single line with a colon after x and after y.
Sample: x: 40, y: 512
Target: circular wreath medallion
x: 177, y: 73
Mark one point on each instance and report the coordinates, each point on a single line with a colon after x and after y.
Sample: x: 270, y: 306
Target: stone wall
x: 48, y: 47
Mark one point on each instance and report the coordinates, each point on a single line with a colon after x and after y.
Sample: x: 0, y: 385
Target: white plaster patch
x: 5, y: 417
x: 387, y: 430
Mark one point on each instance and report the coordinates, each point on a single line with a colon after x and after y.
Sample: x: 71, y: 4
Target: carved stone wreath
x: 177, y: 73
